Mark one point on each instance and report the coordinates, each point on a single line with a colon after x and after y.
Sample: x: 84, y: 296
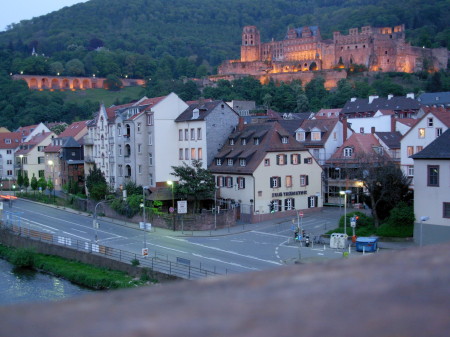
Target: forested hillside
x: 167, y: 41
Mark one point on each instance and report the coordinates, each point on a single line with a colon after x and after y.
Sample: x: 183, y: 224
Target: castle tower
x: 251, y: 44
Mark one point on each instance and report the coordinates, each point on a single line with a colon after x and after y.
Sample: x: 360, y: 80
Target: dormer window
x: 256, y: 141
x: 230, y: 162
x: 348, y: 152
x: 219, y: 162
x: 8, y: 141
x: 231, y: 142
x: 242, y: 162
x: 285, y: 140
x: 300, y: 136
x: 243, y: 141
x: 315, y: 135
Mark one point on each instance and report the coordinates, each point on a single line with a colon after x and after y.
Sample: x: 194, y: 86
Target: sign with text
x: 182, y: 206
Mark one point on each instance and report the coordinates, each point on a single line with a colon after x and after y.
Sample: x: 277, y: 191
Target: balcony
x: 89, y: 159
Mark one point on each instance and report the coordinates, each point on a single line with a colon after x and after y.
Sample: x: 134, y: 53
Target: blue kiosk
x: 366, y: 244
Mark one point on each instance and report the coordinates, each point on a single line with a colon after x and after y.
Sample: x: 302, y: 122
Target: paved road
x: 246, y: 247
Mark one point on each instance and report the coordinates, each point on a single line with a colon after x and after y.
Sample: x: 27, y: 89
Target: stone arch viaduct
x: 44, y: 82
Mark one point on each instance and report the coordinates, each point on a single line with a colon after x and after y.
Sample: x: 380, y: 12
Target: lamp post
x: 422, y: 219
x: 52, y: 164
x: 345, y: 208
x: 94, y: 221
x: 143, y: 215
x: 170, y: 183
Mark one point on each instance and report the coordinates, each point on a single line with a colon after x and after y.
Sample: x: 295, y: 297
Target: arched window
x: 127, y: 150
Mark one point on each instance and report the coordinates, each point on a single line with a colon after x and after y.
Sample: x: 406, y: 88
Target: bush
x: 387, y: 230
x: 402, y: 215
x: 135, y: 262
x: 363, y: 220
x: 23, y: 258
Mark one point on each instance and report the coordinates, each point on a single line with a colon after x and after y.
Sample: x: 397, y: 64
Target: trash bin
x: 338, y: 240
x: 367, y: 244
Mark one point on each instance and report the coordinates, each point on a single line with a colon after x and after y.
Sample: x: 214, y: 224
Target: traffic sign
x: 352, y: 223
x: 300, y: 214
x: 171, y: 209
x: 182, y: 206
x: 144, y: 252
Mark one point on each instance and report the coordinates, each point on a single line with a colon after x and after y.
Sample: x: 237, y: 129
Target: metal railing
x: 156, y: 261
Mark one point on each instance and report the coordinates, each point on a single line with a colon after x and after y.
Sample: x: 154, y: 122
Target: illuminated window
x: 410, y: 150
x: 433, y: 175
x: 422, y: 133
x: 288, y: 181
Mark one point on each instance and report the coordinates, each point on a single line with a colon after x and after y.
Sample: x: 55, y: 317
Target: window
x: 275, y: 182
x: 410, y: 150
x: 241, y: 183
x: 289, y: 204
x: 230, y: 162
x: 361, y: 130
x: 7, y: 141
x: 433, y: 175
x: 192, y: 134
x: 10, y: 151
x: 140, y: 169
x: 256, y: 141
x: 186, y: 134
x: 186, y: 154
x: 41, y: 160
x: 307, y: 160
x: 421, y: 133
x: 348, y: 151
x: 150, y: 179
x: 218, y: 161
x: 410, y: 171
x: 295, y: 159
x: 139, y: 148
x: 315, y: 135
x: 446, y: 210
x: 193, y: 154
x: 219, y: 181
x: 438, y: 132
x: 150, y: 159
x: 180, y: 154
x: 242, y: 162
x: 300, y: 136
x: 231, y: 142
x: 266, y: 162
x: 9, y: 162
x: 430, y: 121
x: 281, y: 159
x: 41, y: 148
x: 41, y: 174
x: 9, y: 172
x: 199, y: 153
x: 150, y: 119
x: 138, y: 127
x: 304, y: 180
x: 229, y: 182
x: 120, y: 170
x: 419, y: 148
x: 199, y: 133
x: 180, y: 134
x: 150, y: 139
x: 288, y: 181
x: 285, y: 140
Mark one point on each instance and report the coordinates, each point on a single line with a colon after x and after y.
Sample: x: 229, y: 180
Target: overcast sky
x: 14, y: 11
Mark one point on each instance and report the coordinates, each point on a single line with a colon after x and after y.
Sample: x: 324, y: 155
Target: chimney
x: 241, y: 124
x: 410, y: 95
x: 392, y: 123
x: 372, y: 130
x: 390, y: 96
x: 371, y: 98
x: 344, y: 129
x: 352, y: 99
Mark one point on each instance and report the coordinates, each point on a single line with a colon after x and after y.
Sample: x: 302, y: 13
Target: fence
x: 156, y: 261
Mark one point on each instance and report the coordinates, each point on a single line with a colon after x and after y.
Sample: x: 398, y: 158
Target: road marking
x: 225, y: 262
x: 226, y: 251
x: 175, y: 250
x: 240, y: 241
x: 76, y: 236
x: 264, y: 233
x: 77, y: 230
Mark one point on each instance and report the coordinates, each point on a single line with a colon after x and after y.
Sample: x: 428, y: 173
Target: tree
x: 26, y: 182
x: 194, y: 181
x: 50, y: 185
x: 34, y: 183
x: 42, y: 183
x: 385, y: 183
x: 75, y: 68
x: 112, y: 83
x: 96, y: 185
x: 20, y: 178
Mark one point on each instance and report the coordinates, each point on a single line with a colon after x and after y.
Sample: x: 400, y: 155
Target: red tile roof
x: 14, y: 137
x: 74, y: 129
x: 361, y: 143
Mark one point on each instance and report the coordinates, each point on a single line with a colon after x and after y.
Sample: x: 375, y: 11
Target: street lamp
x: 143, y: 214
x: 422, y: 219
x: 345, y: 208
x: 170, y: 183
x: 52, y: 164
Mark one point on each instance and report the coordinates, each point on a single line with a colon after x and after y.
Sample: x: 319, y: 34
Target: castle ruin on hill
x: 303, y: 52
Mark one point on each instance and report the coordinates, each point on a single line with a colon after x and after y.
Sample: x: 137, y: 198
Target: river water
x: 25, y: 286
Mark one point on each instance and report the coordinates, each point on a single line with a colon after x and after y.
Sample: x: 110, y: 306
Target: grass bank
x: 73, y: 271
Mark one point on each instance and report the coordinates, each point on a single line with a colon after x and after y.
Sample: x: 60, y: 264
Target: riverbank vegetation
x: 76, y: 272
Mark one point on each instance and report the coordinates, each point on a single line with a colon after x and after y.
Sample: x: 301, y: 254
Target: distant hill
x: 211, y: 29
